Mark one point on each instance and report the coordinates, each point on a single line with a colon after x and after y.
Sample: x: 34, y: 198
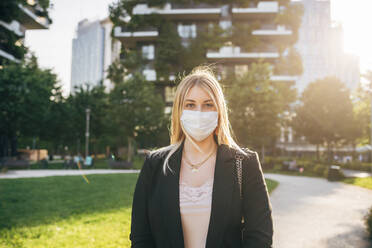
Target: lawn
x: 68, y: 212
x: 365, y: 182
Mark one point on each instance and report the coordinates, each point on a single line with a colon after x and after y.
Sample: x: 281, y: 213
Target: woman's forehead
x: 197, y: 93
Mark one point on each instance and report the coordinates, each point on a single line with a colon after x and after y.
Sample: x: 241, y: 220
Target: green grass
x: 365, y: 182
x: 271, y: 184
x: 65, y: 211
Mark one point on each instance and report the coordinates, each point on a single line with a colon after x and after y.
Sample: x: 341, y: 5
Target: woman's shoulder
x: 159, y: 153
x: 244, y: 151
x: 155, y: 157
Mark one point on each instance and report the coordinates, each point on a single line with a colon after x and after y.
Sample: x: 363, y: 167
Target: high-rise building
x: 93, y: 51
x: 191, y: 18
x: 321, y: 47
x: 27, y: 16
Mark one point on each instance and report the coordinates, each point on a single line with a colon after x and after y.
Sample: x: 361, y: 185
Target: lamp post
x: 87, y: 111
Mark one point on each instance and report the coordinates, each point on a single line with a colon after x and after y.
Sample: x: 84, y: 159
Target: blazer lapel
x: 221, y: 197
x: 171, y: 201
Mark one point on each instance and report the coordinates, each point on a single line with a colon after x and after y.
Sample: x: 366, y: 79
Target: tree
x: 362, y: 108
x: 256, y: 104
x: 325, y: 116
x: 96, y: 100
x: 135, y: 108
x: 27, y: 93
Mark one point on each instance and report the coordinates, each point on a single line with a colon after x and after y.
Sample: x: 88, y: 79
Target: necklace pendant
x: 194, y: 170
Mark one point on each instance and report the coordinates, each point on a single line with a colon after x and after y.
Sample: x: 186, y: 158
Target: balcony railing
x: 283, y: 78
x: 131, y: 37
x: 30, y: 20
x: 14, y: 27
x: 264, y: 10
x: 202, y: 13
x: 234, y: 54
x: 280, y: 31
x: 8, y: 56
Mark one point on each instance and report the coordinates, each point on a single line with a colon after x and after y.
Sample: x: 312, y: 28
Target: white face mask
x: 199, y: 125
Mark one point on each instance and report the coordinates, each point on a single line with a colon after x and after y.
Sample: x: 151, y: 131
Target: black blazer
x: 156, y: 219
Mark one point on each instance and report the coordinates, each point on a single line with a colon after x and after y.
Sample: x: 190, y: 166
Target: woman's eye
x: 189, y: 105
x: 210, y: 105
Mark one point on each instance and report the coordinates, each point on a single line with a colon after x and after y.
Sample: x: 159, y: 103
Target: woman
x: 187, y: 194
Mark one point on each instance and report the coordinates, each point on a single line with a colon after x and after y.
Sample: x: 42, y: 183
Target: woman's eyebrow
x: 191, y: 100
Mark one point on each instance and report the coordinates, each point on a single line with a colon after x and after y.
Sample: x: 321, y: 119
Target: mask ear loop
x: 191, y: 140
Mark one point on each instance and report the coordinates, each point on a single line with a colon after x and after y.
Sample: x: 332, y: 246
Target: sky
x: 356, y: 19
x: 53, y: 47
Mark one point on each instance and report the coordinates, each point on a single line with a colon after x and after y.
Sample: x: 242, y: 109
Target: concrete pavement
x: 313, y: 212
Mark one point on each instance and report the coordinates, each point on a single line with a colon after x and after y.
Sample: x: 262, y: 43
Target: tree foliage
x: 326, y: 115
x: 256, y: 104
x: 135, y: 107
x: 27, y: 94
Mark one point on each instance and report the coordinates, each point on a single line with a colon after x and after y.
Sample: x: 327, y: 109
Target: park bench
x: 13, y: 163
x: 119, y: 164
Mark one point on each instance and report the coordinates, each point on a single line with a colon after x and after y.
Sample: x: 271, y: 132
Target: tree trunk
x: 263, y: 152
x: 317, y: 152
x: 328, y: 152
x: 130, y: 148
x: 13, y: 145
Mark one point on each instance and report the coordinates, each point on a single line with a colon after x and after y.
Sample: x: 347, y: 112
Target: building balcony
x: 283, y: 78
x: 264, y: 10
x: 194, y: 13
x: 130, y: 38
x: 149, y: 74
x: 234, y: 54
x: 270, y: 34
x: 30, y: 20
x: 14, y: 27
x: 8, y: 56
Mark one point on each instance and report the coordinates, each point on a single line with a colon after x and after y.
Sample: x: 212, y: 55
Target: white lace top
x: 195, y: 208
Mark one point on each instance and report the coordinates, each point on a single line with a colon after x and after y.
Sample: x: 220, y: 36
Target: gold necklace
x: 195, y: 167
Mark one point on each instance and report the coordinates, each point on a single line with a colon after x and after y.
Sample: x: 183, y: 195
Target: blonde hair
x: 203, y: 77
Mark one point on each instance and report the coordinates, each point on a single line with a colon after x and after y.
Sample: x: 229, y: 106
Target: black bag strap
x: 239, y: 172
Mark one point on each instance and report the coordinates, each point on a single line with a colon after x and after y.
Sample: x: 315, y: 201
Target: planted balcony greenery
x: 174, y: 54
x: 9, y: 43
x: 9, y: 9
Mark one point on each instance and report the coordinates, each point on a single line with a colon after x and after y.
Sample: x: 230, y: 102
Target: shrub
x: 368, y: 222
x: 356, y: 165
x: 307, y: 165
x: 319, y: 169
x: 268, y: 163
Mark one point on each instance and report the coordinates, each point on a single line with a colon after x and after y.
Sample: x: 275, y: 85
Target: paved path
x: 315, y: 213
x: 48, y: 173
x: 355, y: 173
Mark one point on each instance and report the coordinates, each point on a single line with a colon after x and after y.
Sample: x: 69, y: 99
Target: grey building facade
x: 321, y: 47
